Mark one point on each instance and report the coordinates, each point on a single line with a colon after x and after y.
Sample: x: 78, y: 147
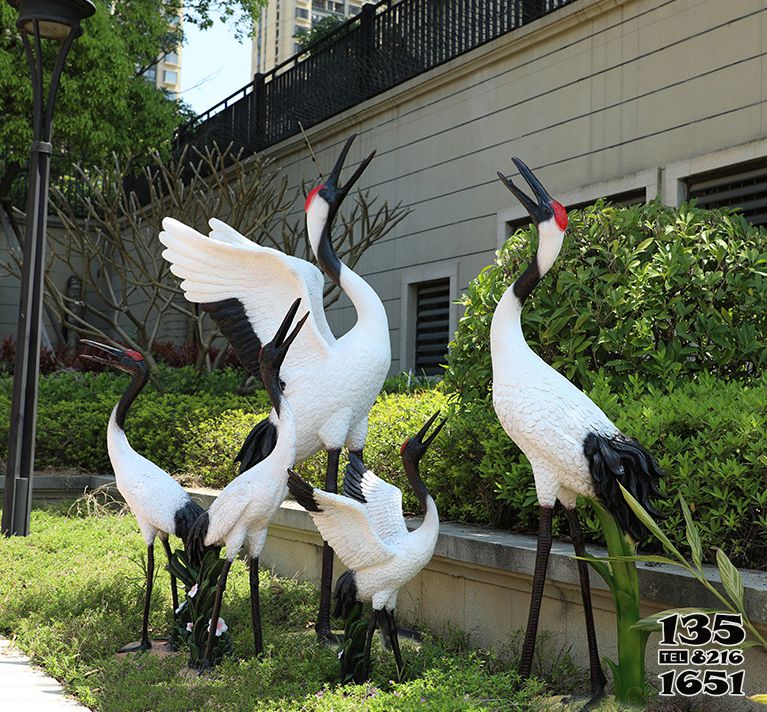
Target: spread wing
x: 343, y: 523
x: 247, y: 289
x: 383, y: 500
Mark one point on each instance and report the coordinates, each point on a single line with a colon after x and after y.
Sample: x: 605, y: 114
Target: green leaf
x: 693, y: 537
x: 731, y: 580
x: 649, y: 522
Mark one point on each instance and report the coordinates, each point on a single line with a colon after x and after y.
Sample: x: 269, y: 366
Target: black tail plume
x: 345, y: 595
x: 622, y: 460
x: 195, y: 541
x: 184, y: 520
x: 258, y: 445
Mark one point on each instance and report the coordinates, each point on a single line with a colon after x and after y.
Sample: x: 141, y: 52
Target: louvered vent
x: 743, y: 186
x: 432, y: 326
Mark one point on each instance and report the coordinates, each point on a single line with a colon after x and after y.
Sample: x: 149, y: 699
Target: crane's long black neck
x: 326, y: 253
x: 413, y: 475
x: 135, y: 387
x: 528, y: 280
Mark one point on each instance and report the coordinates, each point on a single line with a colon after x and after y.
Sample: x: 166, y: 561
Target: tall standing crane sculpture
x: 240, y: 514
x: 573, y: 447
x: 159, y: 503
x: 366, y: 529
x: 331, y: 383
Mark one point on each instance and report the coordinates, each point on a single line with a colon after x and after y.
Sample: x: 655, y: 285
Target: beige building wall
x: 273, y: 39
x: 600, y: 97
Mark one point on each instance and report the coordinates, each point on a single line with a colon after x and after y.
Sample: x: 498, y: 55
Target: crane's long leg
x: 322, y: 626
x: 539, y: 578
x: 391, y: 629
x: 173, y: 584
x: 255, y: 607
x: 598, y: 679
x: 368, y: 643
x: 220, y: 586
x: 145, y: 644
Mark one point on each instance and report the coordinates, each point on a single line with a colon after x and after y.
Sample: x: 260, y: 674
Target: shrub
x: 647, y: 289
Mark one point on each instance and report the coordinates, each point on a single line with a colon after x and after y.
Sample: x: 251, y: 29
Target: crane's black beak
x: 539, y: 211
x: 333, y: 191
x: 415, y: 447
x: 273, y: 353
x: 117, y: 353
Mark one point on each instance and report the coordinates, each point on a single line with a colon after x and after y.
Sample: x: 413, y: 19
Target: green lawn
x: 71, y: 595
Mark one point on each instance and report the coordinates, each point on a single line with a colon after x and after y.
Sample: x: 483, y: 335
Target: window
x: 629, y: 197
x: 302, y: 13
x: 432, y: 325
x: 169, y: 77
x: 151, y: 74
x: 172, y: 57
x: 741, y: 186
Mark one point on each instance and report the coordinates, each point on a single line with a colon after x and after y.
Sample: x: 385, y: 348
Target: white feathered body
x: 152, y: 494
x: 331, y: 384
x: 380, y: 583
x: 372, y: 540
x: 541, y: 411
x: 241, y: 513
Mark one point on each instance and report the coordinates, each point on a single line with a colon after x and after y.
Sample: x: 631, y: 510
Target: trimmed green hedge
x: 710, y: 437
x: 647, y: 289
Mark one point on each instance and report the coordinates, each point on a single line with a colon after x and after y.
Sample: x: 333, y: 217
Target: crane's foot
x: 204, y: 667
x: 136, y: 647
x: 595, y: 700
x: 327, y: 637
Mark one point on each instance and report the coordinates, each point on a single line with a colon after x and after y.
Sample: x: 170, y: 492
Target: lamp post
x: 57, y: 20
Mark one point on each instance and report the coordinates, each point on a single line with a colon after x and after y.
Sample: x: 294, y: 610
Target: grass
x: 71, y: 594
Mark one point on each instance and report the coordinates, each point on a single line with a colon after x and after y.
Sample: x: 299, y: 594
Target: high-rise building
x: 274, y: 39
x: 166, y: 74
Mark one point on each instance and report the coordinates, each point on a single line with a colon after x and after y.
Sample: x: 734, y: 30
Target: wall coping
x: 661, y: 585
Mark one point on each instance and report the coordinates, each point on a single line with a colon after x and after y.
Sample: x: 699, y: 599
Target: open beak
x: 103, y: 347
x: 540, y: 209
x: 334, y: 181
x: 419, y: 436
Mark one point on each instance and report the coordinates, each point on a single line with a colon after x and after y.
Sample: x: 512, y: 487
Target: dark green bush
x: 709, y: 435
x: 646, y: 289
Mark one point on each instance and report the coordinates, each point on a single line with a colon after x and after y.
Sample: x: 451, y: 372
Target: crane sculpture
x: 240, y: 515
x: 367, y: 530
x: 331, y: 383
x: 159, y: 503
x: 573, y: 447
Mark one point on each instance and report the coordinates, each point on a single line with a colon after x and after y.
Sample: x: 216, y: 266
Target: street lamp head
x: 56, y: 18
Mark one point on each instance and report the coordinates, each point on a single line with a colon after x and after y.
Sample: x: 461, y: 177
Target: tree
x: 322, y: 28
x: 130, y: 296
x: 105, y: 105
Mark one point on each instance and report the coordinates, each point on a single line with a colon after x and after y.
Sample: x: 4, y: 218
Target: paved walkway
x: 25, y: 689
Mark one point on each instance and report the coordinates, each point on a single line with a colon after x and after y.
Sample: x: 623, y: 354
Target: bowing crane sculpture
x: 366, y: 529
x: 240, y: 514
x: 573, y: 447
x: 159, y: 503
x: 331, y: 383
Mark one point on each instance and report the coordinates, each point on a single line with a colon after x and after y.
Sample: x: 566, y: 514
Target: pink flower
x: 189, y: 626
x: 221, y: 627
x: 192, y: 591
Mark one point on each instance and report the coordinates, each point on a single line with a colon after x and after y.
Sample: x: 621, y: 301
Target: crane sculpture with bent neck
x: 573, y: 447
x: 331, y: 383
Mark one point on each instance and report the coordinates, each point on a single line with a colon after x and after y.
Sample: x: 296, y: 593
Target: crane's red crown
x: 404, y: 445
x: 135, y: 355
x: 560, y: 214
x: 311, y: 195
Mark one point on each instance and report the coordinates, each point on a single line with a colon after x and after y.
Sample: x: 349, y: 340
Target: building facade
x: 625, y: 99
x: 274, y: 37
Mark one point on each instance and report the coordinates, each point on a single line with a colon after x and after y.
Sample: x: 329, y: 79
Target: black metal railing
x: 387, y: 44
